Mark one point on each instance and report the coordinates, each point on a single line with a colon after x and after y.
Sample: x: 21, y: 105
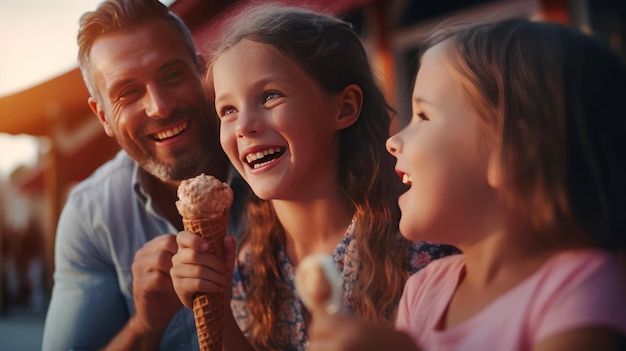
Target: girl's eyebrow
x: 420, y: 101
x: 219, y: 98
x: 259, y: 84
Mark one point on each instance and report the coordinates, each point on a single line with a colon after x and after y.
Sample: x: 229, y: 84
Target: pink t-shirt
x: 572, y: 289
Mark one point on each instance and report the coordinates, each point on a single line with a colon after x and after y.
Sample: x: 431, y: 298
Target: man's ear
x: 95, y: 107
x: 350, y: 106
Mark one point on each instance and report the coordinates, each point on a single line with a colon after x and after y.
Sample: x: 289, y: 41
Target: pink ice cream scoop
x: 203, y: 197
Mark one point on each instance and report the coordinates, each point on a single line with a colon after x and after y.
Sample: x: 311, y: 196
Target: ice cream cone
x: 208, y: 309
x: 318, y: 282
x: 203, y: 203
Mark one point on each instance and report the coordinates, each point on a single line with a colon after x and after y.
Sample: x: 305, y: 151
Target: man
x: 112, y: 284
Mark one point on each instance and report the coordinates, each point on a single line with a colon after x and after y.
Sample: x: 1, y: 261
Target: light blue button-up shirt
x: 106, y: 219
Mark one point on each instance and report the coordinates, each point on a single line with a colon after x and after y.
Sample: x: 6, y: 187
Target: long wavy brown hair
x: 329, y: 50
x: 553, y: 107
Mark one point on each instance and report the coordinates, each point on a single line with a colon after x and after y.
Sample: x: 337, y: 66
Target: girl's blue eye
x: 227, y: 111
x: 269, y: 96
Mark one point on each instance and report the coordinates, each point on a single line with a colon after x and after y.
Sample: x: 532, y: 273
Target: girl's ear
x: 494, y: 175
x: 350, y: 108
x: 95, y: 107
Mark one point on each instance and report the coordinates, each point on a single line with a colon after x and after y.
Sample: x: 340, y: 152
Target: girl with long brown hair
x: 304, y: 122
x: 518, y: 137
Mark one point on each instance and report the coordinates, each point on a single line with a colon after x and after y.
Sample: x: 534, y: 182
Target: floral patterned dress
x: 292, y: 321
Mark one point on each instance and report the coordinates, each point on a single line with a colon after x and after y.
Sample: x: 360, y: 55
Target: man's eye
x: 173, y: 76
x: 128, y: 94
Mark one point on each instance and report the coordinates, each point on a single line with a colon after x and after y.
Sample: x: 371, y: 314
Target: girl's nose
x: 394, y: 145
x: 249, y: 124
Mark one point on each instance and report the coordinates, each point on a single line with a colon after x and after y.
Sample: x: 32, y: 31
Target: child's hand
x: 345, y: 333
x: 194, y: 270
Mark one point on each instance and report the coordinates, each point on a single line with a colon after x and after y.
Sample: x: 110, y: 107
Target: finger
x: 344, y: 332
x: 188, y: 281
x: 323, y: 344
x: 165, y: 242
x: 187, y: 288
x: 192, y: 257
x: 152, y: 281
x: 213, y: 278
x: 152, y: 260
x: 181, y: 286
x: 185, y: 296
x: 324, y: 325
x: 187, y: 239
x: 317, y: 328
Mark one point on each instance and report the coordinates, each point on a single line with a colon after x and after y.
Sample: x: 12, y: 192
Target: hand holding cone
x: 204, y: 203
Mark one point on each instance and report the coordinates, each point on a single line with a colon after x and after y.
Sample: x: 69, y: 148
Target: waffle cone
x: 208, y: 309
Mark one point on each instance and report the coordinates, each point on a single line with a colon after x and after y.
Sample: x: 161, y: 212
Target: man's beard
x: 186, y: 167
x: 188, y: 164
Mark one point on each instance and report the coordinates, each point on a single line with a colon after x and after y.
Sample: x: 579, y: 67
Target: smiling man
x: 114, y: 244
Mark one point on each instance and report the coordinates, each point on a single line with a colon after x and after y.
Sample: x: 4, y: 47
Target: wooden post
x: 555, y: 11
x: 383, y: 55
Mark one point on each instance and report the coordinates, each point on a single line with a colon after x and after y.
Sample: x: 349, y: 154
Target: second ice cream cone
x: 208, y: 309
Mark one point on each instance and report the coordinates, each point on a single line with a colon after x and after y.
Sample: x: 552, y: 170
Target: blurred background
x: 50, y: 140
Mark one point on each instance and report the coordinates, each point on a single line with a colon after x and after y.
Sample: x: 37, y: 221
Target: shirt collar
x: 138, y: 187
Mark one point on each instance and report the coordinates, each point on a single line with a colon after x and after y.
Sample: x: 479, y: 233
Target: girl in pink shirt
x: 516, y: 154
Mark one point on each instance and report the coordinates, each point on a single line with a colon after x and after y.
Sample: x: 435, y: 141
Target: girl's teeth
x: 260, y: 154
x: 406, y: 179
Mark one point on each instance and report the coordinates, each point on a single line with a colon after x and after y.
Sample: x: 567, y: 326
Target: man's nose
x: 158, y: 104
